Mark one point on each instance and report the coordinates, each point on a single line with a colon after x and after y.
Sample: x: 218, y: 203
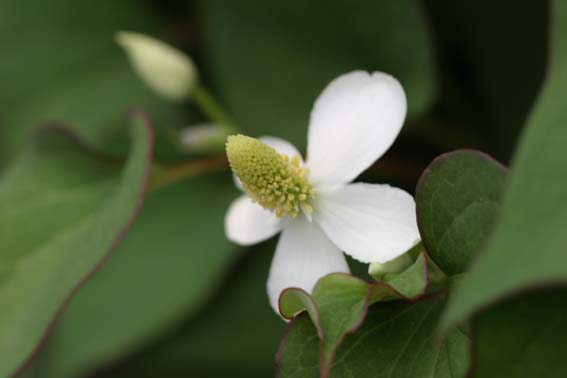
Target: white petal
x: 280, y: 145
x: 237, y: 182
x: 354, y: 121
x: 303, y: 255
x: 248, y: 223
x: 372, y: 223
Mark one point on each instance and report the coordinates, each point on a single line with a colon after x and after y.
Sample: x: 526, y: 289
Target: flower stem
x: 210, y: 106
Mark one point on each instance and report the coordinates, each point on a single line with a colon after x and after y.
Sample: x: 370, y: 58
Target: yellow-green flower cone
x: 275, y: 181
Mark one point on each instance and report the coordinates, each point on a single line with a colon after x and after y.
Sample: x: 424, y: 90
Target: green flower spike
x: 275, y: 181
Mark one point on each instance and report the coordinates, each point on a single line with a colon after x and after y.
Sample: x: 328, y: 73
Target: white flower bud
x: 203, y: 138
x: 166, y: 70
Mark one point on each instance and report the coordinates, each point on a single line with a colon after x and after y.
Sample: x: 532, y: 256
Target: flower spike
x: 276, y: 181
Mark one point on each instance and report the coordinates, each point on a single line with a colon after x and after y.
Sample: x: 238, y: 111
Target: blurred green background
x: 177, y: 299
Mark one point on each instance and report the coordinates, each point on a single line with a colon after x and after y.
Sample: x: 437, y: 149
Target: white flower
x: 319, y: 212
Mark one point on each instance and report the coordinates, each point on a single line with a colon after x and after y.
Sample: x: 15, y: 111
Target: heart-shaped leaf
x: 527, y: 249
x: 63, y: 209
x: 396, y: 339
x: 178, y: 237
x: 528, y: 243
x: 457, y: 199
x: 339, y: 304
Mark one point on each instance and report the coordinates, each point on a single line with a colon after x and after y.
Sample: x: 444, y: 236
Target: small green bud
x: 166, y: 70
x: 275, y: 181
x: 397, y: 265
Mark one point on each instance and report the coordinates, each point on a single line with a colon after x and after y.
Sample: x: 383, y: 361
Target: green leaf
x: 298, y: 355
x: 236, y: 335
x: 60, y: 63
x: 63, y: 209
x: 529, y: 239
x: 457, y: 199
x: 163, y: 271
x: 413, y: 281
x: 396, y: 340
x: 275, y: 67
x: 522, y: 337
x: 339, y: 303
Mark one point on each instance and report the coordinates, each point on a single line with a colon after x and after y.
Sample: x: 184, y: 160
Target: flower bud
x: 166, y: 70
x: 203, y: 138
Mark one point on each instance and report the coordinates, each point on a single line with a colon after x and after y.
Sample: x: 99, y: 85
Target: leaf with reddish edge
x: 528, y: 245
x: 527, y: 250
x: 294, y: 300
x: 63, y: 210
x: 396, y: 340
x: 178, y: 237
x: 457, y: 200
x: 339, y: 304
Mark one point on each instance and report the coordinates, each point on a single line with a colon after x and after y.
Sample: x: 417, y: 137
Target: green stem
x: 209, y: 105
